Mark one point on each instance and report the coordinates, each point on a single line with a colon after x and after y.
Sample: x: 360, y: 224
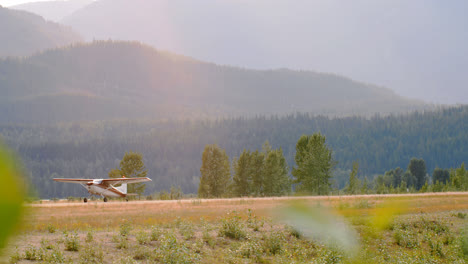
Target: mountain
x: 112, y: 80
x: 23, y: 33
x: 415, y: 47
x: 53, y: 10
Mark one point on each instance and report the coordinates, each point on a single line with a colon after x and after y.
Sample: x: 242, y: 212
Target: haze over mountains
x: 53, y: 10
x: 23, y: 33
x: 113, y: 80
x: 417, y: 48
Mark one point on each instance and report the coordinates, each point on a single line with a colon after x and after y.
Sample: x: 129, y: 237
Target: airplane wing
x: 73, y: 180
x: 125, y: 180
x: 106, y: 182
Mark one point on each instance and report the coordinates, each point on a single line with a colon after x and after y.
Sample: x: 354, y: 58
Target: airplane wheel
x: 105, y: 199
x: 85, y: 200
x: 126, y: 199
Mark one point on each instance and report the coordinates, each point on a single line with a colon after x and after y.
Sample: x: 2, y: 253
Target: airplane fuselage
x: 102, y: 190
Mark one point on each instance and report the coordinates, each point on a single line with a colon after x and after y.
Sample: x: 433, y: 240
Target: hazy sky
x: 17, y: 2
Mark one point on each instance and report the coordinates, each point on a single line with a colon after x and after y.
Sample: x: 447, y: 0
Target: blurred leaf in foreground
x: 320, y: 224
x: 11, y: 194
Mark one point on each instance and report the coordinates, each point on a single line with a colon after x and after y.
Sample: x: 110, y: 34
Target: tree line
x: 265, y: 173
x: 172, y: 149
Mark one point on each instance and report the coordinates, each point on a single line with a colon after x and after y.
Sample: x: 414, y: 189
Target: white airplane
x: 105, y: 187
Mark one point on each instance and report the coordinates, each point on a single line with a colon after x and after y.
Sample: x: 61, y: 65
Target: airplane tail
x: 122, y: 188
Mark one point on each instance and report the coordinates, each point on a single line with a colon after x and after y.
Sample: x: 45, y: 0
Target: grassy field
x: 425, y: 228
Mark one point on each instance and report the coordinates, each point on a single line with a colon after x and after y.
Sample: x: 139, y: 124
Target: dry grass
x: 196, y: 224
x: 99, y: 215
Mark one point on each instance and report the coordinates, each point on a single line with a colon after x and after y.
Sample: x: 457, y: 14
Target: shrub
x: 71, y: 241
x: 31, y: 253
x: 155, y: 233
x: 170, y: 251
x: 405, y: 238
x: 89, y: 236
x: 45, y: 244
x: 125, y: 229
x: 232, y: 227
x: 51, y: 228
x: 142, y: 253
x: 54, y: 256
x: 273, y: 243
x: 250, y: 249
x: 16, y: 257
x: 186, y: 230
x: 142, y: 237
x: 208, y: 239
x: 122, y: 242
x: 92, y: 253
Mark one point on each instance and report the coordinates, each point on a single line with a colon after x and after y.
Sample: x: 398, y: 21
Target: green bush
x: 273, y: 243
x: 71, y: 241
x: 232, y: 227
x: 92, y: 253
x: 142, y: 237
x: 89, y: 236
x: 31, y: 253
x: 51, y: 228
x: 155, y: 233
x: 125, y: 229
x: 142, y: 253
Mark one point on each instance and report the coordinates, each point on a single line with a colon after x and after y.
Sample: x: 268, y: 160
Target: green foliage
x: 242, y: 178
x: 314, y: 164
x: 125, y: 229
x: 176, y: 193
x: 380, y: 144
x: 171, y: 251
x: 51, y: 228
x: 273, y: 243
x: 417, y: 168
x: 91, y: 253
x: 11, y: 192
x: 353, y: 187
x: 156, y: 232
x: 89, y: 236
x: 232, y: 227
x: 261, y: 173
x: 32, y: 253
x: 142, y: 237
x: 71, y: 241
x: 133, y: 166
x: 441, y: 175
x: 215, y: 172
x: 142, y: 253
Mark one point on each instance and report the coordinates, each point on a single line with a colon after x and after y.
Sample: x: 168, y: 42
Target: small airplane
x: 105, y: 187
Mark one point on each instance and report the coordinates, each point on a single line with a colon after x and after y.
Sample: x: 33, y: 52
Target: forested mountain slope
x: 172, y: 150
x: 114, y: 80
x: 418, y: 48
x: 23, y: 33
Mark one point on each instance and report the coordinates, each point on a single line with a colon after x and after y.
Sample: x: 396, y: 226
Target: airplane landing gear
x: 105, y: 199
x: 85, y: 200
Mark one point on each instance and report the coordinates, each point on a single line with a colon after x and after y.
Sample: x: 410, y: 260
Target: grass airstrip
x: 413, y: 228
